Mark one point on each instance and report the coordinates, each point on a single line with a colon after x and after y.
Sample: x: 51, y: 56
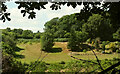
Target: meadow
x: 32, y: 51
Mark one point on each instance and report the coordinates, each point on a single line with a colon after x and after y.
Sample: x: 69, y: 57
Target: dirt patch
x: 62, y: 45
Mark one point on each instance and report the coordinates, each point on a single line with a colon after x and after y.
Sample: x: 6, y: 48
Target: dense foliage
x: 92, y: 22
x: 47, y: 42
x: 25, y: 34
x: 98, y: 26
x: 78, y: 31
x: 75, y: 66
x: 116, y: 35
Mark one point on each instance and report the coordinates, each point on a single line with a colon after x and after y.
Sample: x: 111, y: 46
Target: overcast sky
x: 44, y: 15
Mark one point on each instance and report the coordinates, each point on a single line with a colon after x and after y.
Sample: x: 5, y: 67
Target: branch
x: 97, y: 60
x: 83, y: 60
x: 110, y: 68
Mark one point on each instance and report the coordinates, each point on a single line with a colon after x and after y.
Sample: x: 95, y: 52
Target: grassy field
x: 31, y: 52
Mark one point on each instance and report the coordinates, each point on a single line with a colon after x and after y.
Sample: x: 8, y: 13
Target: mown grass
x: 32, y: 52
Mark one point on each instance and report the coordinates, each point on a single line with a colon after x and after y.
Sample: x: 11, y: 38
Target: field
x: 31, y: 52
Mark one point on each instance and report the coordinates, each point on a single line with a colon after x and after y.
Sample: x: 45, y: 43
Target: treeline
x: 76, y: 30
x: 20, y: 33
x: 96, y: 26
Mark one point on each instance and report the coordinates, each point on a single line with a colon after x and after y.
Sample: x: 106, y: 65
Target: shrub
x: 47, y: 42
x: 117, y: 51
x: 103, y: 45
x: 61, y: 39
x: 30, y: 43
x: 116, y: 35
x: 112, y: 47
x: 88, y: 40
x: 107, y: 42
x: 41, y: 66
x: 84, y: 50
x: 55, y: 67
x: 76, y: 39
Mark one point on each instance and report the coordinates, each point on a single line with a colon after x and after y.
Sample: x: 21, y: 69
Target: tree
x: 37, y: 35
x: 72, y: 41
x: 8, y: 42
x: 76, y: 39
x: 98, y: 26
x: 8, y: 29
x: 28, y: 34
x: 89, y: 7
x: 61, y: 26
x: 112, y: 8
x: 66, y: 22
x: 52, y: 24
x: 47, y: 41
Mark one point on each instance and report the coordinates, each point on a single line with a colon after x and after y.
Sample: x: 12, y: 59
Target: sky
x: 42, y: 16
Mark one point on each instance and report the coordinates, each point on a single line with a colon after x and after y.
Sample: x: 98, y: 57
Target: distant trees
x: 62, y: 26
x: 37, y: 35
x: 25, y: 34
x: 79, y: 30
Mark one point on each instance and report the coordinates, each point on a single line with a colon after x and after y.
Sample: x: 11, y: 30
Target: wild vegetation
x: 88, y: 41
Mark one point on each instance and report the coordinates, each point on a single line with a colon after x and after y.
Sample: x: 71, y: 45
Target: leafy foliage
x: 76, y: 39
x: 47, y: 42
x: 116, y: 35
x: 97, y: 26
x: 8, y: 42
x: 25, y: 34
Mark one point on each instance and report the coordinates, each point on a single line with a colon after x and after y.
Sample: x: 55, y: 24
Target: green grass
x: 32, y: 52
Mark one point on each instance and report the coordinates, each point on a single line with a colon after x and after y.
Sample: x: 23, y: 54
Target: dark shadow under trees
x: 17, y: 49
x: 54, y: 50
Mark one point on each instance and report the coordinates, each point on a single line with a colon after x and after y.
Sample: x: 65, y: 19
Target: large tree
x: 98, y: 26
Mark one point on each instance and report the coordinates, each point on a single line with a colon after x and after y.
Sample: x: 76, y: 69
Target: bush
x: 47, y: 42
x: 55, y: 67
x: 61, y: 39
x: 107, y: 42
x: 117, y: 51
x: 40, y: 67
x: 112, y: 47
x: 30, y: 43
x: 88, y: 40
x: 103, y: 45
x: 84, y: 50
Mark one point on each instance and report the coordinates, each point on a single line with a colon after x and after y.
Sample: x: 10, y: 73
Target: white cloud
x: 44, y: 15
